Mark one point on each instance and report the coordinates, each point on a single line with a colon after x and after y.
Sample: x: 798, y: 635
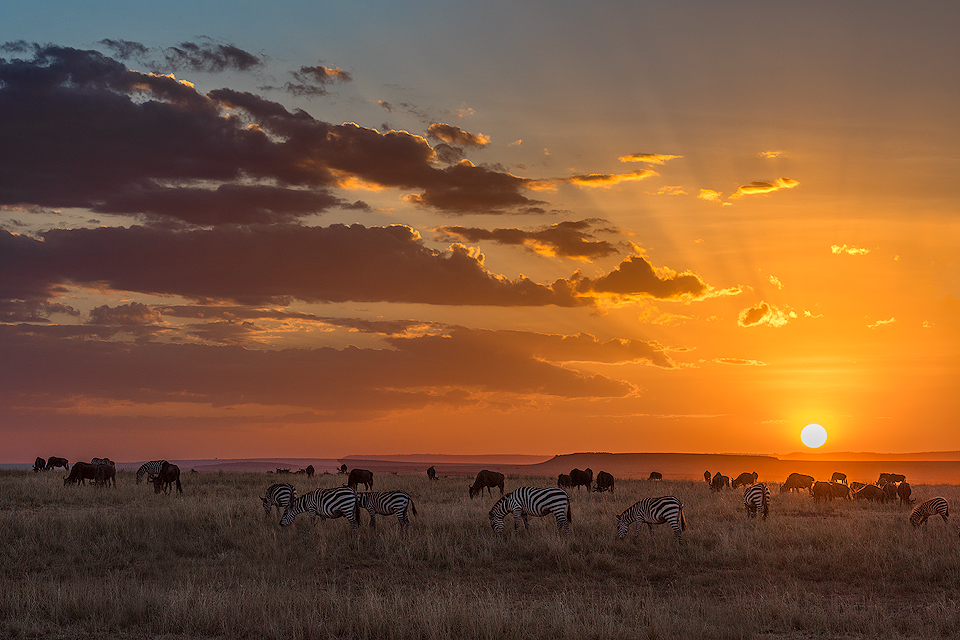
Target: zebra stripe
x: 151, y: 469
x: 932, y: 507
x: 651, y: 511
x: 756, y: 499
x: 279, y: 495
x: 526, y: 501
x: 326, y: 503
x: 387, y: 503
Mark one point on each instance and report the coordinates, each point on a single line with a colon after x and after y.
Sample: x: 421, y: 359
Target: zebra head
x: 293, y: 509
x: 623, y: 523
x: 497, y: 514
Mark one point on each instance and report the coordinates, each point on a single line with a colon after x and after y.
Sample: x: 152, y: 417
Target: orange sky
x: 615, y: 228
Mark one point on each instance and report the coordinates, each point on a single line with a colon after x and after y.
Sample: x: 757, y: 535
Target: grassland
x: 81, y: 562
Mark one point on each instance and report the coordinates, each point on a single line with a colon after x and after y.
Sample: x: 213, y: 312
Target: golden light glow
x: 813, y: 436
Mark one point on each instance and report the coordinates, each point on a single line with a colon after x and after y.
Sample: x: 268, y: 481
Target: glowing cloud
x: 762, y: 187
x: 671, y: 191
x: 880, y: 323
x: 740, y: 361
x: 850, y: 250
x: 770, y: 154
x: 710, y: 195
x: 774, y: 280
x: 455, y: 135
x: 607, y: 179
x: 649, y: 158
x: 764, y: 314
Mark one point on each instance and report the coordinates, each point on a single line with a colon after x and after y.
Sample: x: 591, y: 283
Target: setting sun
x: 813, y: 435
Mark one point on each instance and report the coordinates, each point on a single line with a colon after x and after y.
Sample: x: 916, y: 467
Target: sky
x: 303, y: 230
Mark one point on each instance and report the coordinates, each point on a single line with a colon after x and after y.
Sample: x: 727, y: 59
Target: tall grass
x: 126, y: 563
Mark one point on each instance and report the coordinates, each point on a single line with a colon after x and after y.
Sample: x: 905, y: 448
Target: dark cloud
x: 448, y: 154
x: 134, y: 313
x: 126, y: 49
x: 637, y: 276
x: 456, y: 135
x: 313, y: 81
x: 570, y: 239
x: 210, y: 57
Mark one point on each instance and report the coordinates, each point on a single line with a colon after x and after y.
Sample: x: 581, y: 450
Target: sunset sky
x: 305, y: 230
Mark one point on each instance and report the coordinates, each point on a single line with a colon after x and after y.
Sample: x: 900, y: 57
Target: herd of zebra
x: 164, y: 475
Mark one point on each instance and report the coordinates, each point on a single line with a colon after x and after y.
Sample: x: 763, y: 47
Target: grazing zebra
x: 326, y: 503
x: 756, y: 498
x: 534, y: 502
x: 150, y: 469
x: 279, y: 495
x: 651, y: 511
x: 387, y: 503
x: 932, y: 507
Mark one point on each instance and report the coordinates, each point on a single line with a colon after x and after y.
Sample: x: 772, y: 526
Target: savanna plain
x: 123, y: 562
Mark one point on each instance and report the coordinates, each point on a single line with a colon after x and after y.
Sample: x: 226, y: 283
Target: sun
x: 813, y: 435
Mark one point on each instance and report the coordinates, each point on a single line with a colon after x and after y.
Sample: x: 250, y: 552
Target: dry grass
x: 80, y: 562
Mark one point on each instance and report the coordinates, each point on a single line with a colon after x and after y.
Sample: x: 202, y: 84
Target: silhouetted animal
x: 104, y: 474
x: 103, y: 461
x: 358, y: 477
x: 81, y: 471
x: 563, y: 481
x: 533, y: 502
x: 388, y: 503
x: 856, y: 486
x: 581, y: 478
x: 283, y: 470
x: 651, y: 511
x: 744, y: 480
x: 654, y: 475
x: 278, y: 495
x: 839, y: 477
x: 150, y: 469
x: 431, y: 474
x: 932, y: 507
x: 325, y: 503
x: 54, y: 461
x: 343, y: 469
x: 797, y: 481
x: 829, y: 491
x: 890, y: 477
x: 890, y: 492
x: 719, y: 482
x: 869, y: 492
x: 39, y: 465
x: 488, y: 479
x: 604, y: 482
x: 168, y: 477
x: 756, y: 499
x: 903, y: 492
x: 310, y: 470
x: 706, y: 477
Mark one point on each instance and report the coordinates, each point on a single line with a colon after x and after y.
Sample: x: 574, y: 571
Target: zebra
x: 756, y: 498
x: 932, y: 507
x: 279, y: 495
x: 326, y: 503
x: 387, y: 503
x: 651, y: 511
x: 526, y: 501
x: 151, y: 469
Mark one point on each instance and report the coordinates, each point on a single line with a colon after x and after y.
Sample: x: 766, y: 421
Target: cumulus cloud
x: 455, y: 135
x: 763, y: 187
x: 649, y: 158
x: 637, y: 277
x: 765, y: 314
x: 570, y: 239
x: 848, y: 249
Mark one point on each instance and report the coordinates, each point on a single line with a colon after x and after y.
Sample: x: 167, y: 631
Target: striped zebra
x: 326, y: 503
x: 526, y: 501
x: 279, y: 495
x: 756, y: 499
x: 651, y: 511
x: 150, y: 469
x: 932, y: 507
x: 387, y: 503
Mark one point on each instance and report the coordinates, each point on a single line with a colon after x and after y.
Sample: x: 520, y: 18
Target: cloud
x: 762, y: 187
x: 133, y: 313
x: 456, y: 135
x: 571, y: 239
x: 770, y: 154
x: 607, y: 179
x: 849, y: 250
x: 649, y: 158
x: 671, y: 191
x: 740, y: 361
x: 313, y: 81
x: 775, y: 281
x: 637, y: 277
x: 880, y: 323
x: 711, y: 196
x: 764, y: 314
x: 211, y: 57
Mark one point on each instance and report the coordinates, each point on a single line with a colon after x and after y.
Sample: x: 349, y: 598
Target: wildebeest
x: 869, y: 492
x: 797, y: 481
x: 654, y: 475
x: 563, y: 481
x: 358, y: 477
x: 745, y: 480
x: 839, y: 477
x: 890, y: 492
x: 104, y: 474
x: 903, y: 492
x: 719, y: 481
x: 39, y: 465
x: 81, y: 471
x: 488, y: 479
x: 706, y: 477
x: 169, y: 475
x: 431, y: 474
x: 890, y: 477
x: 829, y: 491
x: 54, y: 461
x: 856, y: 486
x: 581, y: 478
x: 310, y: 470
x: 343, y: 469
x: 604, y: 482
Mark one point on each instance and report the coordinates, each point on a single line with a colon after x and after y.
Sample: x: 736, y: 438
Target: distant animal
x: 150, y: 469
x: 53, y: 462
x: 890, y: 477
x: 604, y: 482
x: 431, y: 474
x: 387, y: 503
x: 283, y: 470
x: 278, y: 495
x: 797, y: 481
x: 324, y: 503
x: 890, y: 492
x: 104, y: 474
x: 581, y: 478
x: 654, y: 475
x: 310, y: 470
x: 103, y: 461
x: 744, y: 480
x: 856, y: 486
x: 932, y: 507
x: 563, y: 481
x: 168, y: 477
x: 869, y: 492
x: 488, y: 479
x: 829, y: 491
x: 839, y: 477
x: 903, y: 492
x: 532, y: 501
x: 651, y: 511
x: 343, y: 469
x: 39, y: 465
x: 358, y: 477
x: 756, y: 499
x: 706, y: 477
x: 81, y: 471
x: 719, y: 481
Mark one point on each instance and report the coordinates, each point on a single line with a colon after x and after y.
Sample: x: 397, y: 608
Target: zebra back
x: 151, y: 469
x: 651, y: 511
x: 387, y: 503
x: 932, y: 507
x: 756, y: 499
x: 279, y: 495
x: 533, y: 501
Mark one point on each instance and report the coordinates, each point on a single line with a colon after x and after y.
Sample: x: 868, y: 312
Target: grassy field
x: 82, y: 562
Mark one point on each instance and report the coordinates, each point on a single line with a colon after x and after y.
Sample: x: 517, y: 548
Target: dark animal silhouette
x: 488, y: 479
x: 903, y: 492
x: 581, y: 478
x: 797, y: 481
x: 105, y: 474
x: 39, y: 465
x: 604, y: 482
x: 869, y: 492
x: 856, y: 486
x: 310, y: 470
x: 81, y: 472
x: 431, y: 474
x: 706, y: 477
x: 360, y: 476
x: 890, y: 492
x: 343, y: 469
x: 654, y: 475
x: 168, y: 477
x: 745, y: 480
x: 839, y: 477
x: 564, y: 482
x: 54, y: 461
x: 719, y: 481
x: 829, y: 491
x: 890, y: 477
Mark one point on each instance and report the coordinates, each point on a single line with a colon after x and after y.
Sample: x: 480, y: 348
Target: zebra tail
x: 683, y: 521
x: 179, y: 488
x: 413, y: 508
x: 569, y: 513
